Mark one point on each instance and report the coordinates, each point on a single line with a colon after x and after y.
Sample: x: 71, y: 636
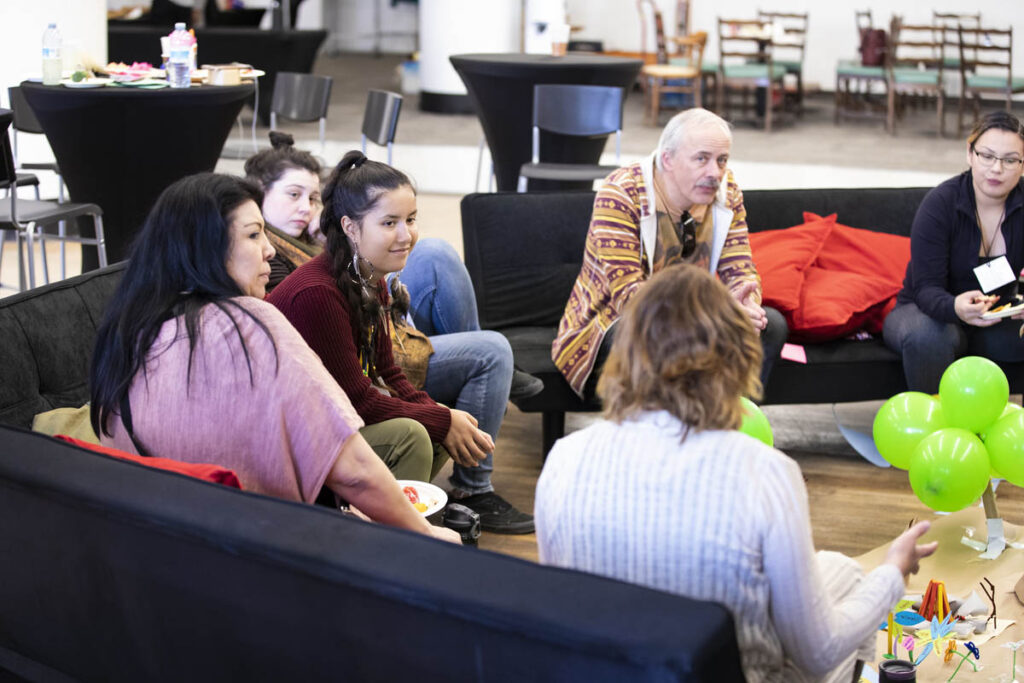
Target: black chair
x: 380, y: 120
x: 25, y: 121
x: 581, y: 110
x: 301, y: 97
x: 26, y: 218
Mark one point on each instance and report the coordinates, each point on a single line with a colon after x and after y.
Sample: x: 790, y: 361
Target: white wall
x: 831, y: 32
x: 82, y: 24
x: 353, y: 23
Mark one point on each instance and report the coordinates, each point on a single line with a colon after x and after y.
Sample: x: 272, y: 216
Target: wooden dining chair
x: 950, y: 21
x: 789, y: 43
x: 745, y: 64
x: 861, y: 85
x: 914, y: 69
x: 27, y: 218
x: 989, y: 71
x: 674, y: 73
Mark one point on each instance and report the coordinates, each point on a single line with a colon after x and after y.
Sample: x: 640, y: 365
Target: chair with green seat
x: 856, y: 94
x: 950, y: 21
x: 745, y: 64
x: 914, y: 68
x: 991, y: 71
x: 788, y: 43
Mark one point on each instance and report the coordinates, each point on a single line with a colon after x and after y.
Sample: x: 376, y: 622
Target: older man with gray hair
x: 678, y: 205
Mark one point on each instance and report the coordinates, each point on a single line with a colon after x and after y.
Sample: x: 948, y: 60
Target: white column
x: 451, y: 27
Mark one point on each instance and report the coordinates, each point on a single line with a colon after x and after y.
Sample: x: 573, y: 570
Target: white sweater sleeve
x: 818, y: 631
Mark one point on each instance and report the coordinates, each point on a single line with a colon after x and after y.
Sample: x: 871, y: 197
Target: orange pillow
x: 213, y: 473
x: 782, y: 256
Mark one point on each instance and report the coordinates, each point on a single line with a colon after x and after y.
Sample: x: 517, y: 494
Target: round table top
x: 130, y: 92
x: 502, y: 64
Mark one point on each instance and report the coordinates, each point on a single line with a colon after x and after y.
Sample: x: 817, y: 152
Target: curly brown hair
x: 686, y: 346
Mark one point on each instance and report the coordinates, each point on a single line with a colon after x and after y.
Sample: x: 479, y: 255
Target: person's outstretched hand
x: 905, y: 553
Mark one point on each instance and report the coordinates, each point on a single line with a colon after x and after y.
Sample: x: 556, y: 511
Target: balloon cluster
x: 952, y: 445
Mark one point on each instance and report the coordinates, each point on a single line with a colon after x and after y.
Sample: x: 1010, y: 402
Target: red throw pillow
x: 877, y: 254
x: 782, y: 256
x: 214, y: 473
x: 851, y: 285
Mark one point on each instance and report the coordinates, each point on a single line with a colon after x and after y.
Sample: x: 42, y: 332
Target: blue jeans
x: 441, y: 293
x: 929, y: 346
x: 470, y: 369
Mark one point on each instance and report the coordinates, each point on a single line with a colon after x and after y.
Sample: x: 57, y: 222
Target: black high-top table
x: 120, y: 147
x: 501, y: 86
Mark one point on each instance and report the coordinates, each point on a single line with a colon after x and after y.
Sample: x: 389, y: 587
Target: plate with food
x: 121, y: 72
x: 1004, y: 311
x: 426, y: 498
x: 85, y: 82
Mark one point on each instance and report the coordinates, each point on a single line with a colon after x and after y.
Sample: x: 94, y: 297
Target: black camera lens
x: 461, y: 519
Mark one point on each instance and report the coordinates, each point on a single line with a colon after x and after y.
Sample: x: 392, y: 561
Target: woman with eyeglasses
x: 966, y: 252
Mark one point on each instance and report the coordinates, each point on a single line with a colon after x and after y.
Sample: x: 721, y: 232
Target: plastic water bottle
x: 52, y: 62
x: 179, y: 59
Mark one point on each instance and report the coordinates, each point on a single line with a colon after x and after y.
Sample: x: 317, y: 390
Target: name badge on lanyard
x: 994, y: 274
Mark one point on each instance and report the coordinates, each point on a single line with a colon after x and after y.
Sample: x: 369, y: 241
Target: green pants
x: 405, y: 447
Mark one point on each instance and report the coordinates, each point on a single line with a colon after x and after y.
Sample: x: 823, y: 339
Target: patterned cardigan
x: 619, y: 257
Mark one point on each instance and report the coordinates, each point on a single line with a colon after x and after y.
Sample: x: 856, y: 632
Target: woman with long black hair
x: 191, y: 364
x: 340, y: 302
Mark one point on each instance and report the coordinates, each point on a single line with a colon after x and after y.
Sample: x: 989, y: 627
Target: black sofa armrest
x: 118, y: 572
x: 48, y: 334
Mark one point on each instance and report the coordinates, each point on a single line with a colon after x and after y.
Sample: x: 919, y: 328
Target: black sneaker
x: 524, y: 385
x: 497, y: 514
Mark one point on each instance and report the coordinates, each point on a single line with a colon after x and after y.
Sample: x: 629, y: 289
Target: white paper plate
x: 433, y: 497
x: 86, y: 83
x: 1005, y: 313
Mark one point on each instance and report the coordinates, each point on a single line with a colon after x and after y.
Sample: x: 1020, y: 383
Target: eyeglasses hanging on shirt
x: 686, y: 231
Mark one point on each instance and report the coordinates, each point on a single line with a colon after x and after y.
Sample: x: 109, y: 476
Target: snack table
x: 501, y: 86
x: 119, y: 147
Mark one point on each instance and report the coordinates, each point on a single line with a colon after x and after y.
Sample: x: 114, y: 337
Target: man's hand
x: 970, y: 306
x: 467, y: 444
x: 744, y: 294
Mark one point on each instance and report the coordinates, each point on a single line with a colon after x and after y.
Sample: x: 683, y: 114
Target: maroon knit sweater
x: 312, y: 302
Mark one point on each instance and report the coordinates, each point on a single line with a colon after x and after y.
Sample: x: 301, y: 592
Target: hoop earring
x: 364, y: 281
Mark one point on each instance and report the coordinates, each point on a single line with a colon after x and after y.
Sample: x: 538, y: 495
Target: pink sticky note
x: 794, y: 352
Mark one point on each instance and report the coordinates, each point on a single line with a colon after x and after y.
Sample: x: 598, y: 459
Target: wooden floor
x: 855, y: 506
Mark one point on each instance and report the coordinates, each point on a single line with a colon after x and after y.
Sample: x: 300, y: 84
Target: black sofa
x: 524, y: 251
x: 113, y: 571
x: 271, y: 51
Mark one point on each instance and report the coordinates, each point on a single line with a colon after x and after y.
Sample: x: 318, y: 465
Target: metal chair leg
x: 42, y: 253
x: 31, y: 255
x: 21, y: 261
x: 101, y: 243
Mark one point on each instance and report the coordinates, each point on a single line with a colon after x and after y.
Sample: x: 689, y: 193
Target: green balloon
x: 1010, y: 408
x: 902, y: 422
x: 973, y: 392
x: 755, y: 423
x: 949, y: 469
x: 1005, y: 443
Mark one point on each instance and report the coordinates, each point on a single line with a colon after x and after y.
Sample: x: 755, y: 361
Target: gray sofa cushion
x: 48, y: 334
